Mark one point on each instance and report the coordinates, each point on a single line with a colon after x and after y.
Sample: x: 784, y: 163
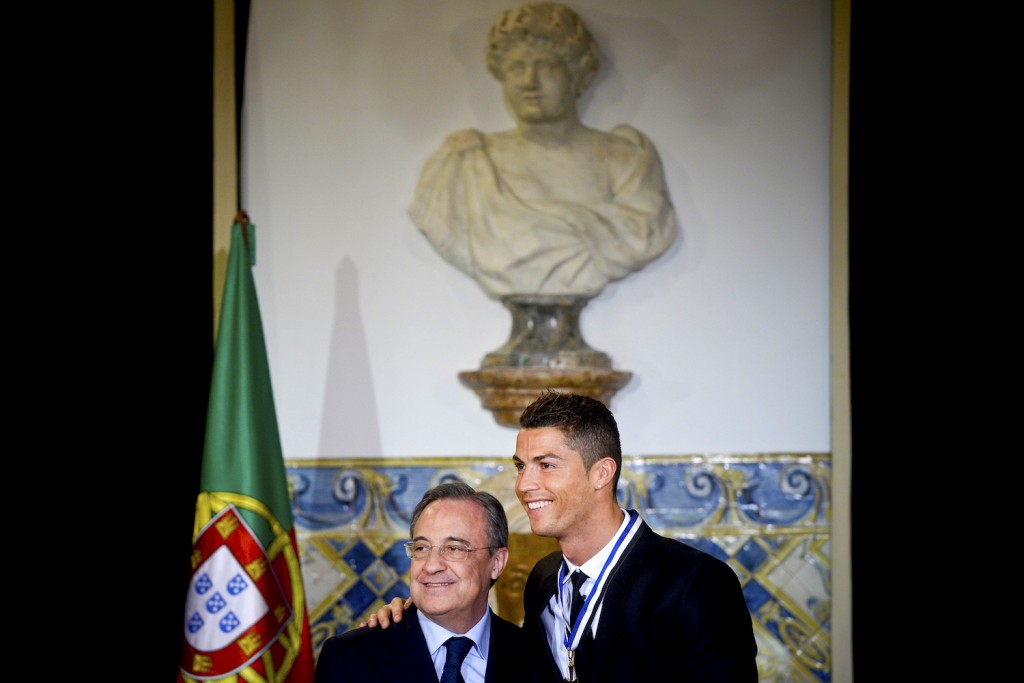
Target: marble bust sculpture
x: 550, y: 207
x: 544, y: 215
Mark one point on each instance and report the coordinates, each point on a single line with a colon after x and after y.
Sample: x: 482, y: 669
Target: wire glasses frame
x: 455, y: 552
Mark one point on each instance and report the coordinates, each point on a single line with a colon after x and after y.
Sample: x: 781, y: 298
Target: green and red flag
x: 245, y: 613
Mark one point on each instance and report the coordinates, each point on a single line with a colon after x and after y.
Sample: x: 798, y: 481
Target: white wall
x: 727, y: 334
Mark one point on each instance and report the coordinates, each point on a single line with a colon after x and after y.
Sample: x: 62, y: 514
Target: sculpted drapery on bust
x: 550, y: 207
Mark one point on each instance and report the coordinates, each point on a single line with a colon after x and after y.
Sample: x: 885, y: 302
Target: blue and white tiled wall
x: 767, y: 515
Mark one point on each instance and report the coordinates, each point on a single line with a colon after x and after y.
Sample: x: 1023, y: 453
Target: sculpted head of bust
x: 549, y: 25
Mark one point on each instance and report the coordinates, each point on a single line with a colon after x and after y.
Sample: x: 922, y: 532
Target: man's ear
x: 602, y: 473
x: 498, y: 562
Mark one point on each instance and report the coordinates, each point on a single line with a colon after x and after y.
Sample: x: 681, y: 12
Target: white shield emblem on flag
x: 222, y: 602
x: 236, y: 606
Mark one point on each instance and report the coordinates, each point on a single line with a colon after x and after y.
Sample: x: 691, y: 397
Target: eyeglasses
x: 456, y: 552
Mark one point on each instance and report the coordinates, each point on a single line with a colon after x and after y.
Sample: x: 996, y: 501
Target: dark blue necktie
x: 578, y: 578
x: 457, y: 647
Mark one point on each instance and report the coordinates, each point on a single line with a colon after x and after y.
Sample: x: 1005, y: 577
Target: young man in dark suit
x: 645, y: 607
x: 649, y: 607
x: 458, y: 550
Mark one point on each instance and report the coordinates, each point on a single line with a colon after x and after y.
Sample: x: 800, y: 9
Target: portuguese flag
x: 245, y: 612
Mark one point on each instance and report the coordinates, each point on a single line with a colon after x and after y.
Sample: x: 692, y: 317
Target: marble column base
x: 546, y: 334
x: 506, y: 391
x: 545, y: 350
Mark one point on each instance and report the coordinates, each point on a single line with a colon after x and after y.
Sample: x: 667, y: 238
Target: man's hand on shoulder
x: 388, y: 613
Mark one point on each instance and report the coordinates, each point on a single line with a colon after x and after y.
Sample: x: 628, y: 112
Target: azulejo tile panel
x: 767, y: 515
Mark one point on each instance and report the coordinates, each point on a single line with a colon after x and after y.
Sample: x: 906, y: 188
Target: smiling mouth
x: 537, y: 505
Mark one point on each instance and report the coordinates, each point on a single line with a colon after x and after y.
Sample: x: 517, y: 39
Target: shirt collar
x: 594, y: 565
x: 436, y: 634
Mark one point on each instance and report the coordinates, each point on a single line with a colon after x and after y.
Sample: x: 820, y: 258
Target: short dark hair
x: 497, y: 522
x: 588, y: 426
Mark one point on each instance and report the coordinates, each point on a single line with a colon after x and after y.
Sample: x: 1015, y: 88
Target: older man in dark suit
x: 458, y: 550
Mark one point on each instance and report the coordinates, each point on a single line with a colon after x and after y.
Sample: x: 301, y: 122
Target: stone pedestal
x: 545, y: 350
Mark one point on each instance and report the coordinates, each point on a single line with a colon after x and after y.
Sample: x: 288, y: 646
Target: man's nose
x: 435, y: 560
x: 525, y: 481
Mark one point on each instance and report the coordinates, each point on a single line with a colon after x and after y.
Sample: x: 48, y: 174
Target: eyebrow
x: 447, y: 539
x: 541, y: 456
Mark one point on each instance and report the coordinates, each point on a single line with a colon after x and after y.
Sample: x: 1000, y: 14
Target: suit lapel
x: 503, y: 656
x: 547, y: 568
x: 594, y: 651
x: 419, y: 666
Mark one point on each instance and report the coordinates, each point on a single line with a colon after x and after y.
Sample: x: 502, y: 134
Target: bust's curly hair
x: 553, y: 26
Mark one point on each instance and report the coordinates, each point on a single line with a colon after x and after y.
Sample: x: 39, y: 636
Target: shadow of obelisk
x: 545, y: 350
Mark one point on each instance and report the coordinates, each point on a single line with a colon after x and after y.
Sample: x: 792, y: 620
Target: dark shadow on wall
x: 350, y: 424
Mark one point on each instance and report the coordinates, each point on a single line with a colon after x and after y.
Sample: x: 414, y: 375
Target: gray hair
x: 497, y: 522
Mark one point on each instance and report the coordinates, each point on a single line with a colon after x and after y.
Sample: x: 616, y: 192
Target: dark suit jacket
x: 398, y: 654
x: 670, y: 613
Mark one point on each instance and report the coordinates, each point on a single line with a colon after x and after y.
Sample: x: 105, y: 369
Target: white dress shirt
x: 554, y: 621
x: 475, y: 665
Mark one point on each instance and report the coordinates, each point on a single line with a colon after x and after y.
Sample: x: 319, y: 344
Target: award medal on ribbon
x: 574, y: 632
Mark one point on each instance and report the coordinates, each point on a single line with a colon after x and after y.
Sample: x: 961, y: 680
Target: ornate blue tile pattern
x: 767, y: 515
